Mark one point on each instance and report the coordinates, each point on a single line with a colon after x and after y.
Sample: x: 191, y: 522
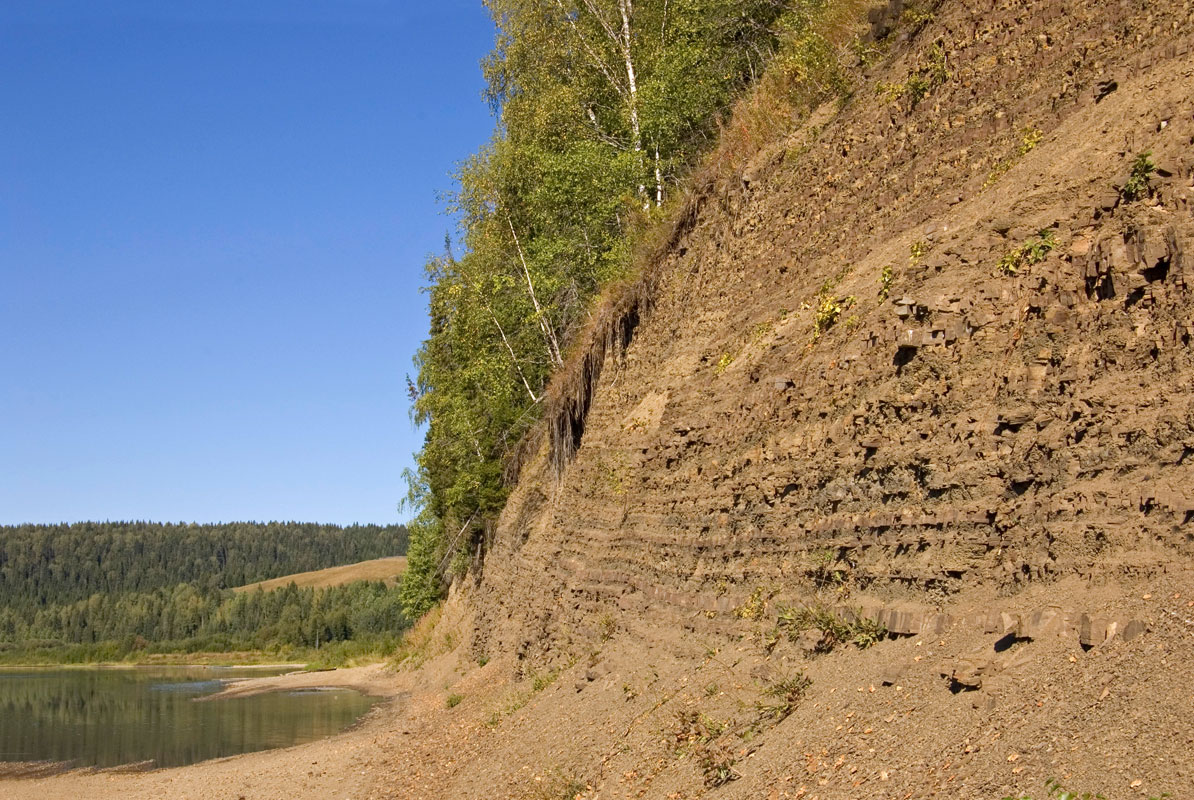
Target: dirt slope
x: 981, y: 442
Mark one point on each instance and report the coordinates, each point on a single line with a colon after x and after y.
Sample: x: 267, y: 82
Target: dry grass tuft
x: 420, y: 642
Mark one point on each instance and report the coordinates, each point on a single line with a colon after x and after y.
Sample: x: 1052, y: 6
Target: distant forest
x: 103, y: 591
x: 51, y: 564
x: 188, y: 619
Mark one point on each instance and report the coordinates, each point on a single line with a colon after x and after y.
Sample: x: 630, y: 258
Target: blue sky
x: 213, y: 223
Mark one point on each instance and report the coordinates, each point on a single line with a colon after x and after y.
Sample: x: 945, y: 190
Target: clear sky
x: 214, y: 217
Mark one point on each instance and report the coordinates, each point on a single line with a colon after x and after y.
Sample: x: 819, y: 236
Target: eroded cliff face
x: 1000, y: 449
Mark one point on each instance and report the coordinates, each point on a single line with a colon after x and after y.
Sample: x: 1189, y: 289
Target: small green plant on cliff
x: 932, y: 73
x: 723, y: 363
x: 859, y: 631
x: 717, y: 765
x: 785, y: 694
x: 698, y: 734
x: 754, y: 606
x: 1029, y: 139
x: 866, y: 52
x: 1032, y: 252
x: 916, y: 253
x: 453, y: 700
x: 607, y: 626
x: 828, y: 310
x: 615, y: 473
x: 916, y: 17
x: 825, y: 570
x: 1137, y: 184
x: 541, y: 682
x: 886, y: 279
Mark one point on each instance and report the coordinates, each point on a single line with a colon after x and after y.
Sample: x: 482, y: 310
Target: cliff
x: 997, y: 451
x: 925, y: 363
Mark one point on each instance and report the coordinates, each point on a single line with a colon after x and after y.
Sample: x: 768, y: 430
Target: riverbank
x: 375, y: 680
x: 230, y: 658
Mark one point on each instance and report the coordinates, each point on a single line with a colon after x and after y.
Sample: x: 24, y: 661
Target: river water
x: 110, y: 717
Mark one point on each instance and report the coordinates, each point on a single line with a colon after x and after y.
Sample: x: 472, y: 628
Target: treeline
x: 189, y: 618
x: 56, y: 565
x: 602, y: 106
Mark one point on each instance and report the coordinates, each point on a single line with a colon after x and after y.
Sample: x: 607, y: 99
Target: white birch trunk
x: 549, y: 336
x: 627, y: 9
x: 513, y: 357
x: 658, y: 180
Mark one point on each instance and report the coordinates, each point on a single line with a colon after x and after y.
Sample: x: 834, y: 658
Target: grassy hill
x: 377, y: 569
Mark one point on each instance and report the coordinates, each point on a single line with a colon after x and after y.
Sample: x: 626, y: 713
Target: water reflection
x: 98, y: 717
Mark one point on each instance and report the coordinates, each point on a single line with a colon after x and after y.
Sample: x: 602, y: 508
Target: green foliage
x: 886, y: 279
x: 453, y: 700
x: 916, y: 253
x: 42, y: 565
x: 420, y: 588
x: 556, y: 785
x: 1029, y: 139
x: 785, y: 693
x: 698, y: 733
x: 543, y: 680
x: 607, y: 626
x: 1031, y: 252
x: 858, y: 631
x: 916, y: 17
x: 188, y: 618
x: 583, y: 158
x: 828, y: 309
x: 754, y: 605
x: 1137, y: 184
x: 825, y: 569
x: 930, y: 73
x: 717, y: 765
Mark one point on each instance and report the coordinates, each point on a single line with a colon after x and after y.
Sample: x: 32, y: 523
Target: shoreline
x: 337, y: 756
x: 374, y: 680
x: 295, y: 665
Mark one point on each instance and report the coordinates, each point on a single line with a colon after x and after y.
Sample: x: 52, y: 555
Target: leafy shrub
x: 860, y: 631
x: 1029, y: 139
x: 1033, y: 251
x: 1137, y: 184
x: 786, y: 693
x: 886, y: 279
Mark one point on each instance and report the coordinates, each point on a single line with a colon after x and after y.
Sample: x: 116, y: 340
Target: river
x: 106, y: 717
